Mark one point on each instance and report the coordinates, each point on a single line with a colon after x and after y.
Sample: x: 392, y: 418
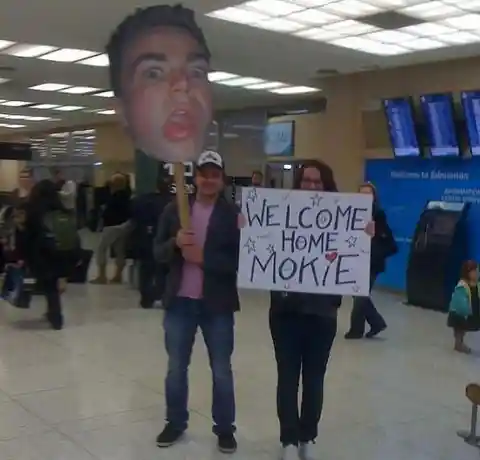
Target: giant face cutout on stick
x: 159, y: 64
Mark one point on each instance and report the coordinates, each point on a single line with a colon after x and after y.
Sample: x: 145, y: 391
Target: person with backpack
x: 49, y: 246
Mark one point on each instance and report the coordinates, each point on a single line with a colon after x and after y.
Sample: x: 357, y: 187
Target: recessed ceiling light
x: 428, y: 29
x: 79, y: 90
x: 219, y: 76
x: 15, y: 103
x: 294, y: 90
x: 313, y: 17
x: 44, y: 106
x: 350, y: 27
x: 369, y: 46
x: 68, y: 108
x: 423, y: 44
x: 5, y: 44
x: 458, y: 38
x: 49, y: 87
x: 97, y: 61
x: 106, y: 112
x: 389, y: 36
x: 29, y: 51
x: 265, y: 85
x: 432, y: 10
x: 239, y: 15
x: 319, y: 34
x: 241, y: 81
x: 105, y: 94
x: 312, y: 3
x: 351, y: 8
x: 34, y: 118
x: 8, y: 125
x: 465, y: 22
x: 280, y: 25
x: 273, y: 7
x: 68, y: 55
x: 11, y: 116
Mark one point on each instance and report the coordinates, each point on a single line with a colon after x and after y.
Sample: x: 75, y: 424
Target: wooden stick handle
x: 182, y: 198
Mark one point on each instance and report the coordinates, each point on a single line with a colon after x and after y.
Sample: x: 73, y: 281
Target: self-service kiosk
x: 439, y: 246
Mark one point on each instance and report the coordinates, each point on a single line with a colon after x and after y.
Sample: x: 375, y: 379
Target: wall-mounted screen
x: 279, y: 139
x: 440, y: 124
x: 471, y: 109
x: 401, y: 127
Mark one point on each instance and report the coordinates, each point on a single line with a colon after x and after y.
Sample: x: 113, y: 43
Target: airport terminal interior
x: 385, y: 92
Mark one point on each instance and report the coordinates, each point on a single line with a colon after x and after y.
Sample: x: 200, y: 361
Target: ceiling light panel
x: 105, y: 94
x: 68, y: 108
x: 15, y: 103
x: 241, y: 81
x: 49, y: 87
x: 294, y: 90
x: 343, y: 22
x: 44, y: 106
x: 13, y: 126
x: 9, y: 116
x: 80, y: 90
x: 68, y: 55
x: 106, y: 112
x: 96, y: 61
x: 29, y: 51
x: 5, y: 44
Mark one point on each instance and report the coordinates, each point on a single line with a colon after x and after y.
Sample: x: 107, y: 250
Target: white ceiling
x: 239, y: 49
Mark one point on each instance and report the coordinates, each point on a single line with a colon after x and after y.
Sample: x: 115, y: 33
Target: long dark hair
x: 326, y: 175
x: 43, y: 198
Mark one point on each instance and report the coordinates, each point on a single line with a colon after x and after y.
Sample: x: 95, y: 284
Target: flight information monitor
x: 440, y: 123
x: 401, y: 127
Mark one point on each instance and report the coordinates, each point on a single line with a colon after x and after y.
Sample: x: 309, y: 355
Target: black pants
x: 54, y: 303
x: 364, y: 311
x: 302, y: 347
x: 151, y: 281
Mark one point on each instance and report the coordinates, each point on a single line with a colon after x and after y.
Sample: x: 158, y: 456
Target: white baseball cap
x: 209, y: 157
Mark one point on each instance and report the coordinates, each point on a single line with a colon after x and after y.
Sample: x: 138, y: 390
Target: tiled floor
x: 94, y: 390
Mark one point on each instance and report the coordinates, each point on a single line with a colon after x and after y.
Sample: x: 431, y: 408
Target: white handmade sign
x: 305, y: 241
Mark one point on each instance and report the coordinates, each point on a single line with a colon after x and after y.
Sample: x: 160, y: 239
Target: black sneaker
x: 169, y: 436
x: 227, y: 444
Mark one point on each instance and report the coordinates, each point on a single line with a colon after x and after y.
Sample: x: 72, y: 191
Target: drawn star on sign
x: 271, y: 248
x: 252, y: 195
x: 351, y: 241
x: 250, y: 245
x: 316, y: 200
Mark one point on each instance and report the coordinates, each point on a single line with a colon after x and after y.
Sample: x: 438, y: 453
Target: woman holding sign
x: 303, y: 327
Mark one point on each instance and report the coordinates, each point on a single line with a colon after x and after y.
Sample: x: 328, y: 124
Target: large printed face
x: 166, y: 100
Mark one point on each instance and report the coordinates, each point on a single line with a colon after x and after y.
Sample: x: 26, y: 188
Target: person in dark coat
x: 36, y: 250
x: 383, y: 247
x: 146, y: 211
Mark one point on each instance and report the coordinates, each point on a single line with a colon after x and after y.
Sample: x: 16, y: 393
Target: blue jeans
x: 182, y: 319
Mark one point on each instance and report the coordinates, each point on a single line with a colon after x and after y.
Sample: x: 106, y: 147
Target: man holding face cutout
x: 159, y: 64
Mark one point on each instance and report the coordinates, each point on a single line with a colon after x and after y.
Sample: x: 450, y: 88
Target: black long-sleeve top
x: 117, y: 209
x: 36, y: 247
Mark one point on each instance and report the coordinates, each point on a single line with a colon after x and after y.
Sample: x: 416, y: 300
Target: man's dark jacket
x: 220, y: 256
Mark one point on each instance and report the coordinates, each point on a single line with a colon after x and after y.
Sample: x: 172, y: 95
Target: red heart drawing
x: 331, y: 256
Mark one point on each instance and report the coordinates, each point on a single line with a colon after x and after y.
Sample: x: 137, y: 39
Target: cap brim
x: 215, y: 165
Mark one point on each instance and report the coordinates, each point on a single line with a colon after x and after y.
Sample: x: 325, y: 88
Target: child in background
x: 464, y: 309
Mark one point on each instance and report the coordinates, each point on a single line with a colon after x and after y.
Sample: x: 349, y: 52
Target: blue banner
x: 405, y: 185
